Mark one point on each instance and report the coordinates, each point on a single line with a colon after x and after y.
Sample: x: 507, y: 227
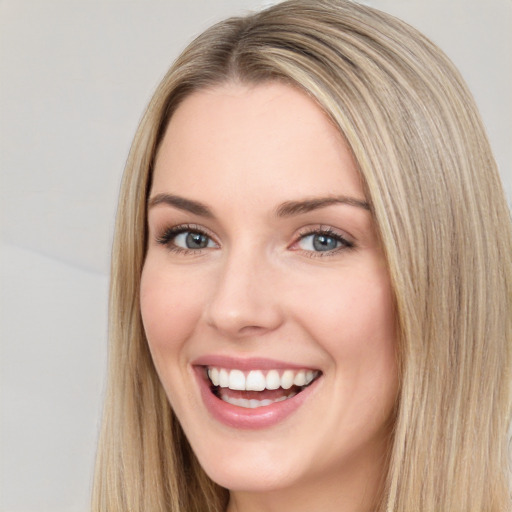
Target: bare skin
x: 262, y: 245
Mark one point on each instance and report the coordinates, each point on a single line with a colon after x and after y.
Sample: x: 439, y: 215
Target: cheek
x: 170, y: 308
x: 353, y: 319
x: 352, y: 312
x: 357, y: 328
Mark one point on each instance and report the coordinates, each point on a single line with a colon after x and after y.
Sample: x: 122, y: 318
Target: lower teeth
x: 253, y: 403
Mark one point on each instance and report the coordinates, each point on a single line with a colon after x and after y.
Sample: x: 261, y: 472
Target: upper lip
x: 247, y: 364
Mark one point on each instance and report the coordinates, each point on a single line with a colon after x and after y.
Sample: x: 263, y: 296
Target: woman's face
x: 265, y: 294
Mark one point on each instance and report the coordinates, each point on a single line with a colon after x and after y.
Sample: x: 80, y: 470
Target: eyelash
x: 328, y: 232
x: 169, y: 235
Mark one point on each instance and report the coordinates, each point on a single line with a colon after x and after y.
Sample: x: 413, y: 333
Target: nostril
x: 243, y: 324
x: 252, y: 329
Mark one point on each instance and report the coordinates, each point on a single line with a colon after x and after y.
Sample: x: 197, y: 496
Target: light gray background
x: 74, y: 80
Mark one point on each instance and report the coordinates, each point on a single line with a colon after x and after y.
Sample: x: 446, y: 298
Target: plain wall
x: 74, y: 80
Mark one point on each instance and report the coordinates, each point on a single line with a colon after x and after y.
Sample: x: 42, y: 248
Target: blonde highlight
x: 438, y: 204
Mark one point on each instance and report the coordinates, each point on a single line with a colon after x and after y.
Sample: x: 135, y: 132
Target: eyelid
x: 323, y: 229
x: 167, y: 234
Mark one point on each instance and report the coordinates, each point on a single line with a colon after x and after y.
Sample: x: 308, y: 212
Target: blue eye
x: 185, y: 238
x: 322, y: 242
x: 193, y: 240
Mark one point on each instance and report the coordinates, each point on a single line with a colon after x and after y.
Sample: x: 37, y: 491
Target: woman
x: 311, y: 279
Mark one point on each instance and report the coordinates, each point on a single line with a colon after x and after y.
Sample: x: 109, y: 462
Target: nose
x: 244, y: 301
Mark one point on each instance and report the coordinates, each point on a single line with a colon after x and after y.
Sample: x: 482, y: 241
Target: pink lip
x: 245, y: 364
x: 240, y: 417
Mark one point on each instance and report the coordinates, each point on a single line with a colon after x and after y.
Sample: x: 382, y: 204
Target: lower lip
x: 241, y: 417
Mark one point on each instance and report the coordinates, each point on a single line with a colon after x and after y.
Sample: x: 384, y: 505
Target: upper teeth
x: 258, y: 380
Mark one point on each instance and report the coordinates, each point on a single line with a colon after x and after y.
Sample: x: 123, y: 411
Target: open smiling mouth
x: 258, y: 388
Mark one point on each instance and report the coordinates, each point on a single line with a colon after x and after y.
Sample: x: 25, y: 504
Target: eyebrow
x: 286, y: 209
x: 181, y: 203
x: 290, y: 208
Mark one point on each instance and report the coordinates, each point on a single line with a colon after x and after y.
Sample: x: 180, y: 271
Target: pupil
x: 324, y: 243
x: 196, y: 241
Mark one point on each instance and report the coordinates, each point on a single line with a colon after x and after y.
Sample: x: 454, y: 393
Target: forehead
x: 262, y: 139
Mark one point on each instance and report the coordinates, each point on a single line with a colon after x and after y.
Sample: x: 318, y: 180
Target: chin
x: 250, y: 469
x: 250, y: 479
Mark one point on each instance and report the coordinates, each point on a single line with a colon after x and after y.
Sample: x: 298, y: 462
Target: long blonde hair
x: 445, y: 227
